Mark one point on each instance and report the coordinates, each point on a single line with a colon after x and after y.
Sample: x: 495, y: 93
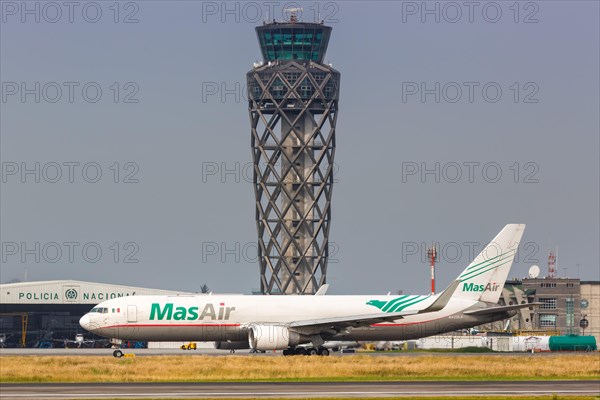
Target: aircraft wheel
x: 232, y: 351
x: 117, y: 353
x: 300, y: 351
x: 312, y: 352
x: 323, y: 352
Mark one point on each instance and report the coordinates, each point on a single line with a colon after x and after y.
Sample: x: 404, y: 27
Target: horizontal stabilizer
x: 494, y: 310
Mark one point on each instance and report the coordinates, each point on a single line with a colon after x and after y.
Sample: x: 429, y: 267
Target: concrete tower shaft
x: 293, y: 104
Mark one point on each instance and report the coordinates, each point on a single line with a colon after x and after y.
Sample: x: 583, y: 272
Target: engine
x: 232, y: 345
x: 271, y: 337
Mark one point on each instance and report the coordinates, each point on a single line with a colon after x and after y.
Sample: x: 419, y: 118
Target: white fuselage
x: 279, y: 322
x: 228, y: 317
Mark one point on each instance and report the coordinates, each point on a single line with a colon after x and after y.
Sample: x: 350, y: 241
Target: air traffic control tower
x: 293, y: 104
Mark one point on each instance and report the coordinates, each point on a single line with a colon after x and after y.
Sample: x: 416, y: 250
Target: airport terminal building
x: 34, y: 314
x: 565, y: 302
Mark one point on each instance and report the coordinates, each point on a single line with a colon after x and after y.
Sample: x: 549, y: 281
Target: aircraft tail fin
x: 484, y: 278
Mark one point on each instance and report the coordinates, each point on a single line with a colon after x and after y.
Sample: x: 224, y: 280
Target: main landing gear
x: 310, y: 351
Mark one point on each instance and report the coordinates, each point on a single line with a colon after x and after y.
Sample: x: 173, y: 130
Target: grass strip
x: 49, y: 369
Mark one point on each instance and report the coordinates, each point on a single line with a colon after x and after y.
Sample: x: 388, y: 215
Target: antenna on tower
x: 293, y: 13
x: 432, y: 257
x: 551, y: 265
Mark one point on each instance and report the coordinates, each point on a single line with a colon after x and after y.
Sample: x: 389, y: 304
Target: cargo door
x: 131, y: 314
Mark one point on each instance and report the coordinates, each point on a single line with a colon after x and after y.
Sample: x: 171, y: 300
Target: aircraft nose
x: 85, y: 322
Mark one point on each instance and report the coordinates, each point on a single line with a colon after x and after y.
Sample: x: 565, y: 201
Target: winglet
x: 322, y: 290
x: 443, y: 298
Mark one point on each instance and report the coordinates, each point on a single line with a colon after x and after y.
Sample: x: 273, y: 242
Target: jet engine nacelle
x: 232, y: 345
x: 271, y: 337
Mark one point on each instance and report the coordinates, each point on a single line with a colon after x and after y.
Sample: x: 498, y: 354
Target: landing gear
x: 323, y: 351
x: 232, y: 351
x: 301, y: 351
x: 117, y: 354
x: 294, y: 351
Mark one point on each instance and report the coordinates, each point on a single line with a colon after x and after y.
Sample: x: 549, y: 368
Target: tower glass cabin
x: 293, y: 41
x: 293, y: 104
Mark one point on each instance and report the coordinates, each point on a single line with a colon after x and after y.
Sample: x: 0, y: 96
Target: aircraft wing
x: 354, y: 321
x: 336, y: 324
x: 494, y: 310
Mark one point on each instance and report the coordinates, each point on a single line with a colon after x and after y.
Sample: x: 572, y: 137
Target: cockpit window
x: 101, y: 310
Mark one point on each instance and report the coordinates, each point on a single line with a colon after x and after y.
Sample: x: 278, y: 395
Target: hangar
x: 46, y: 313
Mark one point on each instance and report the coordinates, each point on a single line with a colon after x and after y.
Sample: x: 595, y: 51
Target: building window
x: 548, y: 284
x: 570, y: 285
x: 548, y: 320
x: 570, y: 322
x: 548, y: 304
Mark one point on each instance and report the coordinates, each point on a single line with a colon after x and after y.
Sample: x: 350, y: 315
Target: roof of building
x: 71, y: 292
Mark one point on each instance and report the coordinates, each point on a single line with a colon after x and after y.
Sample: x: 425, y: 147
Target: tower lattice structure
x: 293, y: 105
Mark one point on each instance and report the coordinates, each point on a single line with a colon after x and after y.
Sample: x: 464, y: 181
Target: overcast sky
x: 498, y: 101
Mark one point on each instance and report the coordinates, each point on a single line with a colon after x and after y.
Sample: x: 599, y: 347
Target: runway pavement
x: 295, y: 389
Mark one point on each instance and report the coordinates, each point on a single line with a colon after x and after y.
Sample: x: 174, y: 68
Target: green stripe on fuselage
x: 400, y: 304
x: 406, y: 305
x: 392, y: 302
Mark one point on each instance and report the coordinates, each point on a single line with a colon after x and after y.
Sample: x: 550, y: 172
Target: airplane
x: 264, y: 323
